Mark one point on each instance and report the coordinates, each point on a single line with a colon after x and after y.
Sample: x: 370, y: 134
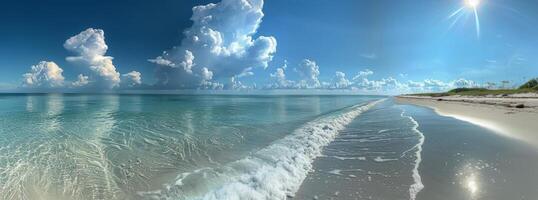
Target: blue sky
x: 408, y: 45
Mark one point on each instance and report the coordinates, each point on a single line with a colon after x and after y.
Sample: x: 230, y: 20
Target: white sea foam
x: 335, y: 172
x: 380, y: 159
x: 417, y: 186
x: 383, y: 130
x: 349, y: 158
x: 278, y: 170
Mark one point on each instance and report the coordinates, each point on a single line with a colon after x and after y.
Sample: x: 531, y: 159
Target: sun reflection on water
x: 472, y: 185
x: 470, y: 176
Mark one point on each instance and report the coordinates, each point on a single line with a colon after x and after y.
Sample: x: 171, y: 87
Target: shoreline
x: 501, y: 115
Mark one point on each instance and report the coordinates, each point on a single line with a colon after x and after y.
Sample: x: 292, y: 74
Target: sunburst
x: 469, y: 6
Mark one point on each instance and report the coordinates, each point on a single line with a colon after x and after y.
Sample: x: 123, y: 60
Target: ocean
x: 112, y: 146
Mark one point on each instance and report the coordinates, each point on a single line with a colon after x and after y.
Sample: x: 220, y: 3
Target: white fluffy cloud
x: 433, y: 85
x: 217, y: 47
x: 279, y: 80
x: 90, y: 47
x: 387, y: 85
x: 309, y: 72
x: 132, y: 78
x: 362, y: 82
x: 44, y: 75
x: 392, y: 85
x: 235, y: 84
x: 340, y: 81
x: 463, y: 83
x: 159, y: 60
x: 81, y: 81
x: 363, y: 74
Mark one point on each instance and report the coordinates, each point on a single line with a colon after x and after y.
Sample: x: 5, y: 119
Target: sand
x: 373, y: 158
x: 495, y: 113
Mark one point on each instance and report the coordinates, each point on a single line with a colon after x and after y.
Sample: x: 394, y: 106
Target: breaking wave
x: 274, y: 172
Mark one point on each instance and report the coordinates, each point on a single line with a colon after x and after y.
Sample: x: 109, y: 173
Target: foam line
x: 417, y: 186
x: 285, y: 163
x: 276, y: 171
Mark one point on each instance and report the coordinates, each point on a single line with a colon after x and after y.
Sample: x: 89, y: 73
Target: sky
x: 368, y: 46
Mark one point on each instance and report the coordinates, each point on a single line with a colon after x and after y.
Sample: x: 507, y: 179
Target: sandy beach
x: 405, y: 151
x: 514, y: 117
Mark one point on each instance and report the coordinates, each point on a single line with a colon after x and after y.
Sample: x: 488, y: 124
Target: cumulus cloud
x: 44, y: 75
x: 218, y: 46
x: 392, y: 85
x: 132, y: 78
x: 433, y: 85
x: 81, y: 81
x: 463, y: 83
x: 340, y: 81
x: 362, y: 82
x: 235, y: 84
x: 279, y: 80
x: 387, y: 85
x: 98, y: 72
x: 363, y: 74
x: 309, y: 72
x: 159, y: 60
x: 415, y: 84
x: 90, y: 47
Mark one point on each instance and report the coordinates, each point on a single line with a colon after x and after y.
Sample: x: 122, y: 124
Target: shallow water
x: 162, y: 146
x: 251, y: 147
x: 377, y: 156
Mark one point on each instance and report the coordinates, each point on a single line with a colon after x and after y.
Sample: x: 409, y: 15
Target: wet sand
x: 465, y: 161
x: 373, y: 158
x: 459, y: 160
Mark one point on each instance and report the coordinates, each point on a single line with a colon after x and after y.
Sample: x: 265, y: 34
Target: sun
x: 470, y: 6
x: 472, y: 3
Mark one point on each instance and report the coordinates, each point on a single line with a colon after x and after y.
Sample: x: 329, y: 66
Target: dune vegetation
x: 530, y: 86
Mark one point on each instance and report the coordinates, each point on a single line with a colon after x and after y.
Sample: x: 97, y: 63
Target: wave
x: 274, y: 172
x: 417, y: 186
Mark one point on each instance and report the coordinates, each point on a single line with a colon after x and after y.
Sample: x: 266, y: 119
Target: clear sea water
x: 162, y: 146
x: 67, y: 146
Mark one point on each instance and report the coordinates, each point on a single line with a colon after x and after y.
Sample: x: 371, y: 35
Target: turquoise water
x: 62, y: 147
x: 164, y: 146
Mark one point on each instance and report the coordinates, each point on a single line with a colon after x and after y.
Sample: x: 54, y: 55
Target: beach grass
x: 479, y: 92
x: 530, y: 86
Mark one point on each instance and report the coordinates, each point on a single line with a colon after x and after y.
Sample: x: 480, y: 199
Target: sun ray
x: 477, y: 23
x: 456, y: 19
x: 472, y: 6
x: 455, y: 13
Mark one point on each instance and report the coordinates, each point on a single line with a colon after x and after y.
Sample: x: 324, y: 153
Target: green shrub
x: 458, y: 90
x: 532, y: 84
